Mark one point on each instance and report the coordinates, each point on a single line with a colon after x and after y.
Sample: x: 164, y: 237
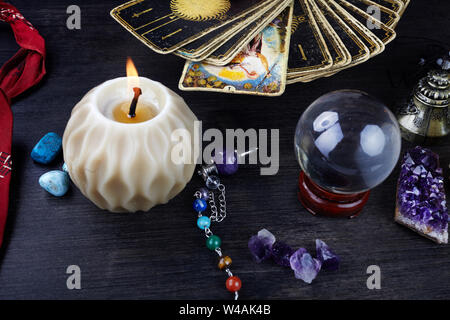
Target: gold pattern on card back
x: 200, y: 10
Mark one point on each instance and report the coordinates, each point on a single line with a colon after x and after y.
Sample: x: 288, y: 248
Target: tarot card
x: 352, y: 27
x: 165, y: 26
x: 372, y: 42
x: 244, y: 28
x: 260, y: 69
x: 405, y: 5
x: 394, y: 5
x: 379, y: 29
x: 195, y: 48
x: 227, y: 51
x: 355, y: 46
x: 202, y: 47
x: 384, y: 15
x: 339, y: 53
x: 308, y: 51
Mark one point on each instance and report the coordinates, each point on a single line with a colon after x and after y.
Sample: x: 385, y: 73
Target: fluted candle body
x: 128, y: 167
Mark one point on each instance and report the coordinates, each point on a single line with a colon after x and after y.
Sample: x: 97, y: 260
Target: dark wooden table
x: 161, y: 254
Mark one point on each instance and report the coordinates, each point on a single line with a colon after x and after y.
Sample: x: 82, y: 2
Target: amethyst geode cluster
x: 421, y: 203
x: 264, y: 246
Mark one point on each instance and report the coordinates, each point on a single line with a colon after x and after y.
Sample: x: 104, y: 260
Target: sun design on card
x: 200, y: 10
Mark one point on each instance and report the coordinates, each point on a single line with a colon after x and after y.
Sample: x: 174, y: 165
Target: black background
x: 161, y: 254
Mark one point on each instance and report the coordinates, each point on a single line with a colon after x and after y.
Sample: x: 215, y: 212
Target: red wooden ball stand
x: 318, y: 201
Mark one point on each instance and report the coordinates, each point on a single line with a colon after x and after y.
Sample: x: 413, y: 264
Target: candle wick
x: 133, y: 105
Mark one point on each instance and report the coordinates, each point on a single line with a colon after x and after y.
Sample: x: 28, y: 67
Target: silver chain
x: 218, y: 215
x: 208, y: 232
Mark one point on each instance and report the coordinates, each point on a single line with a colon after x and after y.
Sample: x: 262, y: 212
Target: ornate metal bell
x: 426, y: 115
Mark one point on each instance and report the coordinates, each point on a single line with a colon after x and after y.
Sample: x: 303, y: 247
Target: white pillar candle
x: 128, y: 166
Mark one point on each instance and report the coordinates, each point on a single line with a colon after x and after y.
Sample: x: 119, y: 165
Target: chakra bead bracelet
x: 227, y: 165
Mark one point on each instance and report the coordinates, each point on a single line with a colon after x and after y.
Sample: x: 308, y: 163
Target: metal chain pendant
x: 218, y: 212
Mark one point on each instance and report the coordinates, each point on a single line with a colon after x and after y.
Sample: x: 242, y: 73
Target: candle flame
x: 132, y: 75
x: 131, y: 68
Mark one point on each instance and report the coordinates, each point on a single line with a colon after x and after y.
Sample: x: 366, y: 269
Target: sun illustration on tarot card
x: 200, y: 10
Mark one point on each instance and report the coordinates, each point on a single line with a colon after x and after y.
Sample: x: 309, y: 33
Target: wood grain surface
x: 161, y: 254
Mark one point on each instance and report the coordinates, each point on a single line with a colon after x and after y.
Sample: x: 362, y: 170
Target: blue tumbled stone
x: 64, y: 168
x: 46, y: 150
x: 55, y: 182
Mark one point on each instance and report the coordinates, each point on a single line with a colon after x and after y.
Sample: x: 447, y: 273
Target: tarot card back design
x: 380, y: 13
x: 394, y: 5
x: 372, y: 42
x: 339, y: 53
x: 308, y: 51
x: 380, y: 30
x: 165, y: 26
x: 356, y: 48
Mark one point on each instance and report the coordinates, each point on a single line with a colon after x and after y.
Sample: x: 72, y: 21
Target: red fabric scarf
x: 21, y: 72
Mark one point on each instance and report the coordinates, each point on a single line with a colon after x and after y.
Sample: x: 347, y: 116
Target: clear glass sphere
x: 347, y: 142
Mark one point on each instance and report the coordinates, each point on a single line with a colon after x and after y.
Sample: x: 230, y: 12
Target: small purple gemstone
x: 412, y: 180
x: 330, y: 261
x: 260, y: 245
x: 417, y: 170
x: 408, y: 160
x: 281, y: 253
x: 305, y: 267
x: 226, y: 162
x: 266, y: 237
x: 204, y: 193
x: 257, y: 249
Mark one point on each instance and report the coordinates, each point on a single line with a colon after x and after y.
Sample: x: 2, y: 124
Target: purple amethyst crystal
x: 305, y: 267
x: 260, y: 245
x: 266, y: 237
x: 330, y: 261
x: 281, y: 253
x: 421, y: 203
x: 204, y: 193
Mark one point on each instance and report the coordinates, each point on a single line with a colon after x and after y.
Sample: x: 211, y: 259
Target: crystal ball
x: 347, y: 142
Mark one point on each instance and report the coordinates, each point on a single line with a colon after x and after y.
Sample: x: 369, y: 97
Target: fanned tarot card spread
x: 165, y: 26
x: 259, y: 69
x: 379, y: 29
x: 258, y: 46
x: 227, y: 51
x: 308, y: 51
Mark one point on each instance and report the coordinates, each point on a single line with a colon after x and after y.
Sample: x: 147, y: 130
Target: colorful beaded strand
x: 213, y: 242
